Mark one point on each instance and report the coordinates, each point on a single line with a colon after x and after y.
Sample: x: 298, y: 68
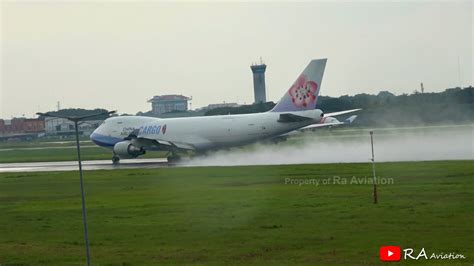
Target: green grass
x: 62, y: 154
x: 44, y: 142
x: 245, y: 215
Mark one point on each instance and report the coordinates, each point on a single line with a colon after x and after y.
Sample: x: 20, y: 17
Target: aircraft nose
x: 91, y: 137
x: 94, y: 134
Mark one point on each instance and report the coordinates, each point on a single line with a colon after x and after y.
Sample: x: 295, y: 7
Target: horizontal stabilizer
x: 342, y: 112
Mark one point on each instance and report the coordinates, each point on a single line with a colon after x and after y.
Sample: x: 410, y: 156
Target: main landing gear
x: 173, y: 158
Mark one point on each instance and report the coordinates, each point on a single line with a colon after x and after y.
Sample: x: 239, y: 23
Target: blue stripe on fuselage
x: 104, y: 141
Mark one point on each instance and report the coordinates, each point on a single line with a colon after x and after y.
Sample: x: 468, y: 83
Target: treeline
x: 452, y: 106
x: 243, y: 109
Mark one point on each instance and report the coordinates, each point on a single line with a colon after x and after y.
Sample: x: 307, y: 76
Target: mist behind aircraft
x: 420, y: 144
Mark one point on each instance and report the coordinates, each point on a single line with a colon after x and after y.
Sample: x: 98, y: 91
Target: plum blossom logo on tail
x: 303, y: 92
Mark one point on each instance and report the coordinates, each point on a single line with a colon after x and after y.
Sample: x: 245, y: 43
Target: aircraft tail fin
x: 303, y: 94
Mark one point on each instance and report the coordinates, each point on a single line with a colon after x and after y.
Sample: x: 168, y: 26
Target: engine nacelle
x: 125, y: 149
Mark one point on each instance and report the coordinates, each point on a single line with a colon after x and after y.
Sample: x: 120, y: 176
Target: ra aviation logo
x: 393, y: 253
x: 390, y: 253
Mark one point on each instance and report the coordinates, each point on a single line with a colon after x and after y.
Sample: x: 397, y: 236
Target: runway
x: 86, y: 165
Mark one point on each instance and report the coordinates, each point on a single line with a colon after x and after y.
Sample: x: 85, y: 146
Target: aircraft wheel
x: 115, y: 159
x: 173, y: 159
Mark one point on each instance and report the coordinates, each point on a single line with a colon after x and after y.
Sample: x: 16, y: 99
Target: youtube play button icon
x: 390, y: 253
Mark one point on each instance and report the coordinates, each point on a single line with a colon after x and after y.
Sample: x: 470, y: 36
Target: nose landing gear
x: 115, y: 159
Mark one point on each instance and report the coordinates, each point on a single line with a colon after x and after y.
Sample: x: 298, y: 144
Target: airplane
x: 132, y: 136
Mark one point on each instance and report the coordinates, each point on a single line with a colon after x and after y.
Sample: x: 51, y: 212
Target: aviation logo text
x: 394, y: 253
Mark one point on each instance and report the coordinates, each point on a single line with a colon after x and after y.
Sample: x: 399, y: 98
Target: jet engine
x: 126, y: 150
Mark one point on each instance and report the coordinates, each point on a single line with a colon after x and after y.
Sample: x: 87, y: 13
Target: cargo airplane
x: 132, y: 136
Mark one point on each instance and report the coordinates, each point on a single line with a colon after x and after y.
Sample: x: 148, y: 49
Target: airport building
x: 62, y: 126
x: 258, y: 71
x: 169, y: 103
x: 18, y: 126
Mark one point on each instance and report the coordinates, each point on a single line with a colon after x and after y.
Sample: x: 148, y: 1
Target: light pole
x: 373, y: 166
x: 76, y: 120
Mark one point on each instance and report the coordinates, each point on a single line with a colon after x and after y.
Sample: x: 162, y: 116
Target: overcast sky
x: 117, y: 55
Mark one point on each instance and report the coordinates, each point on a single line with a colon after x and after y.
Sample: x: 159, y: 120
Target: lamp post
x: 76, y: 120
x: 373, y: 166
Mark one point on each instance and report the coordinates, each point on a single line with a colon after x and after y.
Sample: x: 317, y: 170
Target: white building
x: 62, y: 126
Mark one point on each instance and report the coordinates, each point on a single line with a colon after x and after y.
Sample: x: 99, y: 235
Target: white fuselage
x: 204, y: 132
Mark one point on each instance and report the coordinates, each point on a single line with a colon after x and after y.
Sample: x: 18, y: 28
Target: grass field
x: 53, y: 154
x: 247, y: 215
x: 44, y: 142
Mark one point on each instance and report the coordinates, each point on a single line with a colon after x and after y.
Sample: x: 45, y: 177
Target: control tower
x: 259, y: 82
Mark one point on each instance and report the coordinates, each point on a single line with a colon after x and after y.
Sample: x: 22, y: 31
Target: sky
x: 117, y: 55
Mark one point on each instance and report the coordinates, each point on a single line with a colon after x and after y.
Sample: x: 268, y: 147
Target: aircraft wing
x: 342, y: 112
x: 322, y: 125
x: 157, y: 144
